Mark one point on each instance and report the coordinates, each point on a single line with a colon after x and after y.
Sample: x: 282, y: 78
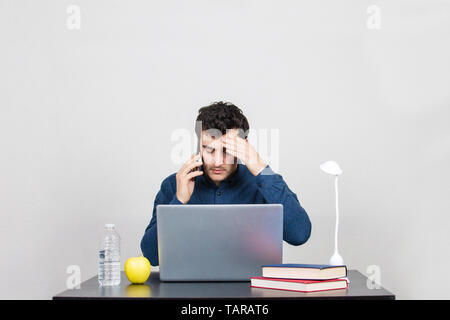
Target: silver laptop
x: 218, y: 242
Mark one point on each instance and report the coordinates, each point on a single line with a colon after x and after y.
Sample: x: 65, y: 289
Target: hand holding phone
x: 185, y: 178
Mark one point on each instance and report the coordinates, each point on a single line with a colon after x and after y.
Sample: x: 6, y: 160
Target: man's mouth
x: 218, y: 171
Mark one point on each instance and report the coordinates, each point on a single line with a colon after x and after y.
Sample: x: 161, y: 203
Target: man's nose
x: 218, y: 158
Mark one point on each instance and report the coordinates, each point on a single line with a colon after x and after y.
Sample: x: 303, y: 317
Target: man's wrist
x: 176, y: 200
x: 258, y: 168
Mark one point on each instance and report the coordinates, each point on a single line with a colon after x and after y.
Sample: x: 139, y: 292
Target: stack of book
x: 301, y: 277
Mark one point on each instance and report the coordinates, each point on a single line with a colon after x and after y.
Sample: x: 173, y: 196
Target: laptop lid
x: 218, y: 242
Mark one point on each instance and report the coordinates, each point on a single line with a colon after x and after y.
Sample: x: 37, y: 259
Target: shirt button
x: 219, y: 193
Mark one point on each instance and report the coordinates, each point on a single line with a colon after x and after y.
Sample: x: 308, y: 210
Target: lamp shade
x: 331, y: 167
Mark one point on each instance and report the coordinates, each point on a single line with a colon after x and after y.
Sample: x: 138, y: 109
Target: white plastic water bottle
x: 109, y: 257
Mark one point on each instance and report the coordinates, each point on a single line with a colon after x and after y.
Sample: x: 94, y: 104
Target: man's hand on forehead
x: 214, y: 143
x: 232, y: 134
x: 219, y: 141
x: 243, y: 150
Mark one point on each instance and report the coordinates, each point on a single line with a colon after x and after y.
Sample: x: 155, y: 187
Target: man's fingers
x: 233, y: 137
x: 187, y: 163
x: 235, y: 142
x: 230, y: 147
x: 234, y: 148
x: 238, y: 146
x: 231, y: 152
x: 192, y: 166
x: 194, y: 174
x: 241, y: 150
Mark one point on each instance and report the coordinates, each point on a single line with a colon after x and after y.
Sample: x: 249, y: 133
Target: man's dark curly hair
x: 222, y: 116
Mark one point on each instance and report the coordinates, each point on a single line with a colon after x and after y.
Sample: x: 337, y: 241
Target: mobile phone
x: 198, y: 152
x: 198, y: 131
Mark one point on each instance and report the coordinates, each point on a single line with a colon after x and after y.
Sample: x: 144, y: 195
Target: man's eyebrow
x: 208, y: 147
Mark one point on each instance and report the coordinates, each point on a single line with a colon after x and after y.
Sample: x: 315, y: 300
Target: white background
x: 86, y: 118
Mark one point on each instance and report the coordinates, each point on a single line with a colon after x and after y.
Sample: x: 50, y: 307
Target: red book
x: 298, y: 285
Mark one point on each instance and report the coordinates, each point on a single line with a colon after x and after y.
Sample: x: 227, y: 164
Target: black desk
x: 154, y: 289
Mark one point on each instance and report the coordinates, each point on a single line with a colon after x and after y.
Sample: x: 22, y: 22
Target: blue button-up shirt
x: 241, y: 187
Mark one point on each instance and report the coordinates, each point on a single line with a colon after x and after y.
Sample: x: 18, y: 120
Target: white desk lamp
x: 333, y: 168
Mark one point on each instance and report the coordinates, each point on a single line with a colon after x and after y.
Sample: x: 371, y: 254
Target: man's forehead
x: 216, y: 137
x: 209, y: 140
x: 215, y: 134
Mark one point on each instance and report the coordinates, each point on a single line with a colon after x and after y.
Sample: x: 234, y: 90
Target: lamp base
x: 336, y: 260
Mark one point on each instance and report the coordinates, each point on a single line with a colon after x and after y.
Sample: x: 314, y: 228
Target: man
x: 214, y: 176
